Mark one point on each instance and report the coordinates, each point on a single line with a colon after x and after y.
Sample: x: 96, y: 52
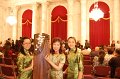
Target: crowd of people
x: 69, y: 52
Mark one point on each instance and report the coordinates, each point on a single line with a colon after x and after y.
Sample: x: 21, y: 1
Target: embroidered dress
x: 56, y: 74
x: 75, y: 63
x: 24, y: 61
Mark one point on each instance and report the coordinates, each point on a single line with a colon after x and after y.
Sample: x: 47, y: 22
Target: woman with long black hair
x: 25, y: 60
x: 75, y: 60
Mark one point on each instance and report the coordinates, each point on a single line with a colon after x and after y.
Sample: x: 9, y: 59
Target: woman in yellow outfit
x: 56, y: 59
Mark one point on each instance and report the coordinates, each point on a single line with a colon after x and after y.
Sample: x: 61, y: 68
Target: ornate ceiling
x: 7, y: 3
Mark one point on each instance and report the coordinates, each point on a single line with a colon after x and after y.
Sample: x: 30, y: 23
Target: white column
x: 14, y: 29
x: 116, y: 20
x: 35, y: 19
x: 44, y: 18
x: 70, y: 17
x: 83, y: 22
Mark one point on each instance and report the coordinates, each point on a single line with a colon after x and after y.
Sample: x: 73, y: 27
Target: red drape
x: 27, y: 23
x: 100, y: 30
x: 59, y: 23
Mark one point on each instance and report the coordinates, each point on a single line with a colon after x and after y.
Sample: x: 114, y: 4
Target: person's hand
x: 47, y: 58
x: 64, y: 72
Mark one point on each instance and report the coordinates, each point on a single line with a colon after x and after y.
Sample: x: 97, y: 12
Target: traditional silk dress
x: 24, y: 61
x: 57, y: 74
x: 75, y: 63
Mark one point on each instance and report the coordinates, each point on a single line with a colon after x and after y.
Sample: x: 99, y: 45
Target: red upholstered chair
x: 88, y: 69
x: 8, y: 61
x: 102, y: 72
x: 15, y: 61
x: 86, y: 57
x: 1, y: 61
x: 88, y: 72
x: 14, y: 56
x: 117, y: 72
x: 8, y: 71
x: 1, y: 64
x: 87, y: 62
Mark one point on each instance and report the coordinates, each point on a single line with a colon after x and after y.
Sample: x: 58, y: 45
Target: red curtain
x: 59, y: 23
x: 100, y: 30
x: 27, y: 23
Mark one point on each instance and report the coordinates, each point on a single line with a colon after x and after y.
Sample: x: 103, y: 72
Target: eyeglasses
x: 26, y: 43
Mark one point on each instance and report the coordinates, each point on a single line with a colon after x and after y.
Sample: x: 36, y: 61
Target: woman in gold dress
x: 75, y: 60
x: 56, y: 59
x: 25, y: 60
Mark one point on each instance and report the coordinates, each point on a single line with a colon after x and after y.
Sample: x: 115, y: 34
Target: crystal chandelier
x: 96, y: 13
x: 11, y: 19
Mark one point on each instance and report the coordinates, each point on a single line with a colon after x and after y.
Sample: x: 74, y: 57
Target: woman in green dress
x: 75, y: 60
x: 56, y: 59
x: 25, y: 60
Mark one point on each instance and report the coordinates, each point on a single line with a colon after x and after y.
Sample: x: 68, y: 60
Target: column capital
x: 45, y: 3
x: 70, y: 2
x: 36, y: 4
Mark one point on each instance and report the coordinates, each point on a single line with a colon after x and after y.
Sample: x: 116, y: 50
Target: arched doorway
x: 59, y: 22
x: 100, y: 30
x: 27, y: 23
